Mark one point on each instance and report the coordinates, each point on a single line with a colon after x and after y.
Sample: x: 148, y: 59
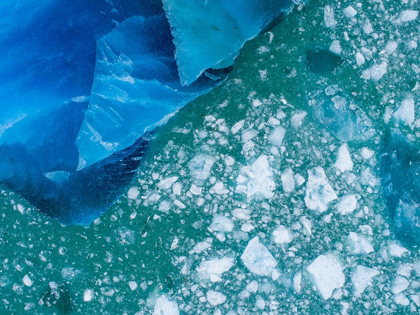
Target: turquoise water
x: 224, y: 152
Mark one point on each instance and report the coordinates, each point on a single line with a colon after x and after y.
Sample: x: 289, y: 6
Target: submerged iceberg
x: 93, y: 80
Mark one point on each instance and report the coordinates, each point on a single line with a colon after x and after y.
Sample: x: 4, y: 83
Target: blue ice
x: 84, y: 84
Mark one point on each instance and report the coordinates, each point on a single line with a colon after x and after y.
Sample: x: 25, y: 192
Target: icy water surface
x: 273, y: 194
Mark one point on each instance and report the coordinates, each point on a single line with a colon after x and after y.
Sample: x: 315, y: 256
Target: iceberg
x: 83, y: 87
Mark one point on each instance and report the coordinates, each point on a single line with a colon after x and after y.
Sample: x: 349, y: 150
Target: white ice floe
x: 164, y: 306
x: 344, y: 162
x: 166, y: 183
x: 221, y: 224
x: 335, y: 47
x: 347, y: 204
x: 200, y: 167
x: 406, y: 113
x: 349, y: 11
x: 282, y: 235
x: 327, y: 274
x: 256, y: 180
x: 359, y: 244
x: 288, y: 180
x: 257, y: 258
x: 376, y: 72
x: 276, y: 136
x: 361, y: 277
x: 319, y: 192
x: 88, y: 295
x: 329, y: 17
x: 213, y: 269
x: 408, y: 15
x: 27, y: 281
x: 215, y: 298
x: 133, y: 193
x: 399, y: 284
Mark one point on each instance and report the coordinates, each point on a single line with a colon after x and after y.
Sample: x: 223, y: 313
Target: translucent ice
x: 93, y: 80
x: 257, y: 258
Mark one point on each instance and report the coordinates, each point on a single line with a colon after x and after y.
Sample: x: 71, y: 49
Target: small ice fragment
x: 164, y: 306
x: 288, y: 180
x: 133, y: 193
x: 133, y: 285
x: 166, y: 183
x: 27, y: 281
x: 200, y: 167
x: 282, y: 235
x: 399, y: 284
x: 319, y: 192
x: 257, y: 258
x: 88, y: 295
x: 366, y: 153
x: 409, y: 15
x: 347, y: 204
x: 327, y: 274
x: 344, y: 162
x: 221, y: 224
x: 213, y: 269
x: 376, y: 72
x: 349, y: 12
x: 276, y: 136
x: 329, y: 19
x: 215, y: 298
x: 396, y: 250
x: 298, y: 118
x: 391, y: 46
x: 335, y: 47
x: 242, y: 214
x: 367, y: 27
x: 405, y: 114
x: 238, y: 126
x: 359, y: 59
x: 359, y: 244
x: 361, y: 277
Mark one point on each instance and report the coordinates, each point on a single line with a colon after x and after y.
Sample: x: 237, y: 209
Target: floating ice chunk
x: 88, y: 295
x: 347, y: 204
x: 399, y: 284
x: 396, y: 250
x: 242, y: 214
x: 215, y: 298
x: 349, y: 12
x: 376, y: 72
x: 219, y: 189
x: 238, y: 126
x: 164, y: 306
x: 221, y: 224
x: 327, y: 274
x: 133, y: 193
x: 166, y: 183
x: 329, y: 17
x: 344, y: 162
x: 367, y: 153
x: 335, y: 47
x: 401, y: 299
x: 409, y: 15
x: 319, y: 192
x: 200, y: 167
x: 405, y: 114
x: 133, y: 285
x: 298, y: 118
x: 257, y: 258
x: 258, y: 180
x: 391, y: 46
x: 27, y: 281
x: 276, y: 136
x: 360, y: 59
x: 367, y: 27
x: 359, y: 244
x: 282, y: 235
x: 361, y: 277
x: 214, y: 269
x: 288, y: 180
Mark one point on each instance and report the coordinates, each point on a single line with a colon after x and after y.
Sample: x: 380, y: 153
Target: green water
x: 151, y: 239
